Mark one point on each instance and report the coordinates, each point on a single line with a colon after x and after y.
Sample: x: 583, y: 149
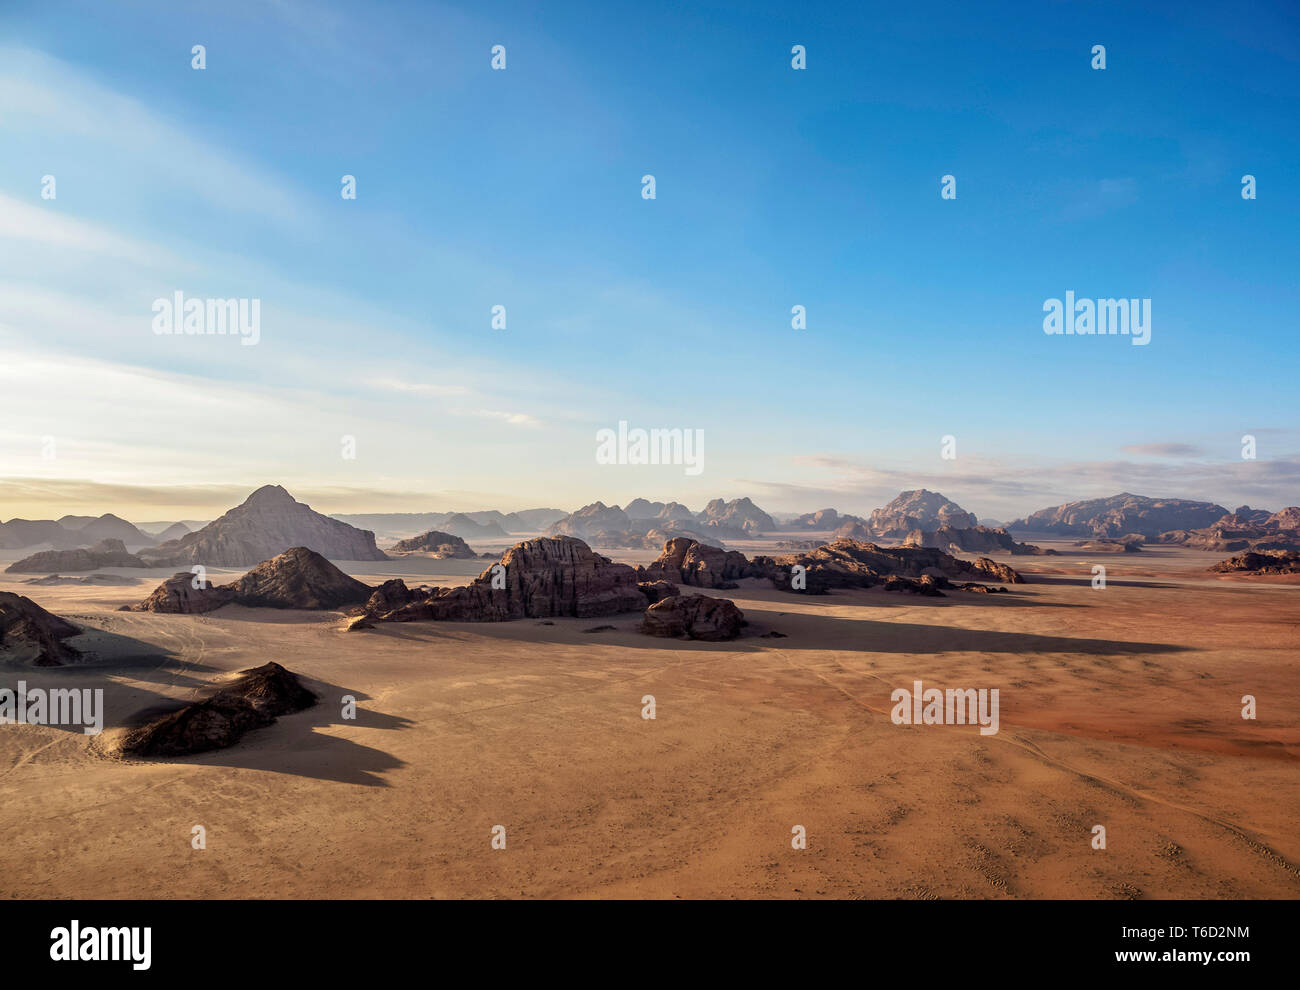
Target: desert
x: 1119, y: 707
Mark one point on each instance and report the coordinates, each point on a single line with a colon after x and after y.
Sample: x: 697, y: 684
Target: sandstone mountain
x: 29, y: 634
x: 590, y: 520
x: 919, y: 509
x: 106, y: 527
x: 852, y: 529
x: 739, y: 513
x: 106, y: 553
x: 640, y: 508
x: 443, y: 546
x: 269, y: 522
x: 544, y: 577
x: 253, y: 700
x: 975, y: 539
x: 18, y: 533
x: 826, y: 520
x: 1121, y: 514
x: 185, y: 594
x: 1243, y: 530
x: 175, y: 531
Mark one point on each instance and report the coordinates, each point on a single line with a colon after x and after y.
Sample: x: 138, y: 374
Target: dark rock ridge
x: 852, y: 564
x: 297, y: 578
x: 106, y: 553
x: 28, y: 633
x: 1104, y: 544
x: 1265, y: 562
x: 253, y: 700
x: 269, y: 522
x: 693, y: 617
x: 975, y: 539
x: 544, y: 577
x: 1120, y: 514
x: 687, y: 561
x: 919, y: 509
x: 443, y: 546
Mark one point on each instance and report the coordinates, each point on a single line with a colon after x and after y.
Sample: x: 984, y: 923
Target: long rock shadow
x: 292, y: 746
x: 1085, y: 580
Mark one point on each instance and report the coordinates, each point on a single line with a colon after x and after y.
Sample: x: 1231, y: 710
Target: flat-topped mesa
x: 268, y: 522
x: 539, y: 578
x: 974, y: 539
x: 297, y: 578
x: 919, y: 509
x: 1120, y: 514
x: 252, y: 700
x: 853, y: 564
x: 687, y: 561
x: 443, y: 546
x: 29, y: 634
x: 106, y: 553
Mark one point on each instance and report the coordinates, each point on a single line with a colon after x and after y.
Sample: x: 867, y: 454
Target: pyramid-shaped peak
x: 270, y: 495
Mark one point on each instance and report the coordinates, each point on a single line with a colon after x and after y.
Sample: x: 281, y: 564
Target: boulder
x: 693, y: 617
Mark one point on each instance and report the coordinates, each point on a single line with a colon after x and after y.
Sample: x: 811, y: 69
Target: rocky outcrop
x: 693, y: 617
x: 823, y: 520
x: 541, y: 578
x: 442, y: 546
x: 29, y: 634
x: 1242, y: 530
x: 1106, y: 545
x: 185, y: 594
x: 852, y: 530
x: 738, y: 514
x: 687, y: 561
x: 1265, y: 562
x: 1120, y: 514
x: 656, y: 591
x: 919, y: 509
x: 975, y: 539
x: 297, y: 578
x: 256, y: 698
x: 106, y: 553
x: 853, y: 564
x: 269, y: 522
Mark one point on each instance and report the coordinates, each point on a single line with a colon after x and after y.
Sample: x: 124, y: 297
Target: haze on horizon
x: 522, y: 188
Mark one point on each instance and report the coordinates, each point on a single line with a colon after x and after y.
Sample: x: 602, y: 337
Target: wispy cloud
x: 1164, y: 449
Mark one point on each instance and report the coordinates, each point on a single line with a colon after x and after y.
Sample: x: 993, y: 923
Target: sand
x: 1119, y: 708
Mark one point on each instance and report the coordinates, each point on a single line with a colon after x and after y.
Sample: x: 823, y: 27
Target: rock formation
x: 852, y: 564
x: 975, y: 539
x: 107, y: 527
x: 657, y: 591
x: 738, y: 514
x: 687, y: 561
x: 693, y: 617
x: 823, y: 520
x: 29, y: 634
x: 106, y: 553
x: 253, y: 700
x: 1242, y: 530
x: 443, y: 546
x: 919, y: 509
x: 545, y: 577
x: 1265, y: 562
x: 18, y: 533
x: 853, y: 529
x: 1104, y: 544
x: 1120, y: 514
x: 269, y: 522
x: 297, y: 578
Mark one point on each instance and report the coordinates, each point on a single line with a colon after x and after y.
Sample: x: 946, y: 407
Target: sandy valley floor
x: 1119, y: 707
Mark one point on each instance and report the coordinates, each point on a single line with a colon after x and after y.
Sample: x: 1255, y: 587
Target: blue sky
x: 522, y: 188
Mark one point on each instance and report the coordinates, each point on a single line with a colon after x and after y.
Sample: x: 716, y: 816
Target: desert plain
x: 1118, y: 707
